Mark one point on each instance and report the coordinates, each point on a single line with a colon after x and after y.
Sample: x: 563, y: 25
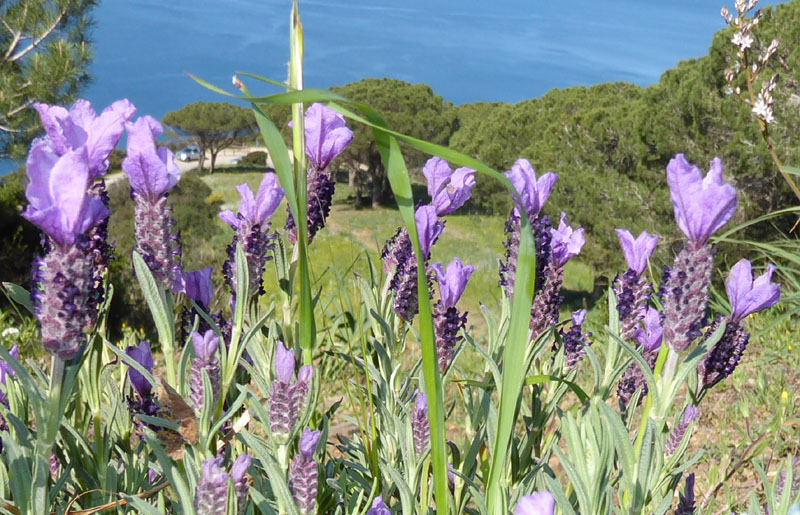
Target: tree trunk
x: 213, y: 160
x: 201, y: 159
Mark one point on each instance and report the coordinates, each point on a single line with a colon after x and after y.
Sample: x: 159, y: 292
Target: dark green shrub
x: 257, y: 158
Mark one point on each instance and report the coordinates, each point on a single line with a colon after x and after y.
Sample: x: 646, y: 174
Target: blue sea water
x: 467, y: 50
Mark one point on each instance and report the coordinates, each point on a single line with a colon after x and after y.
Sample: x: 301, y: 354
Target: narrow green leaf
x: 162, y: 317
x: 20, y: 295
x: 791, y: 170
x: 539, y: 379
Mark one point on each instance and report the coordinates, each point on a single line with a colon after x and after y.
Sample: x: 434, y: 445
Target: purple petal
x: 637, y: 251
x: 247, y: 206
x: 427, y: 228
x: 305, y: 373
x: 566, y: 242
x: 53, y: 118
x: 579, y: 317
x: 326, y: 135
x: 104, y: 132
x: 141, y: 354
x: 438, y: 173
x: 379, y: 507
x: 456, y: 193
x: 748, y: 296
x: 284, y: 363
x: 538, y: 503
x: 421, y: 404
x: 269, y: 197
x: 230, y: 218
x: 212, y: 471
x: 702, y: 205
x: 205, y: 345
x: 196, y: 285
x: 240, y: 466
x: 691, y: 414
x: 453, y: 281
x: 308, y: 442
x: 651, y: 335
x: 151, y: 171
x: 533, y: 192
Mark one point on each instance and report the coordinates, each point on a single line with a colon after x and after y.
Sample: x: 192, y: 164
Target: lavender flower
x: 649, y: 338
x: 538, y: 503
x: 565, y: 244
x: 196, y: 285
x: 420, y: 426
x: 211, y: 493
x: 238, y: 474
x: 631, y: 288
x: 327, y: 136
x: 400, y: 260
x: 447, y: 320
x: 575, y: 340
x: 702, y: 205
x: 533, y: 193
x: 303, y: 472
x: 80, y: 126
x: 686, y: 499
x: 252, y: 230
x: 676, y: 436
x: 205, y: 348
x: 746, y: 296
x: 379, y: 507
x: 449, y: 190
x: 152, y: 172
x: 63, y: 279
x: 288, y: 398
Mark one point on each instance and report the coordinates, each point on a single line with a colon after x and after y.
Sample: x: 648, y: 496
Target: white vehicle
x: 190, y: 153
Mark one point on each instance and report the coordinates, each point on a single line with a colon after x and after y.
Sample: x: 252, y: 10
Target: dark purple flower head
x: 205, y: 345
x: 151, y: 170
x: 284, y: 363
x: 452, y: 281
x: 327, y: 135
x: 538, y: 503
x: 747, y: 295
x: 579, y: 317
x: 379, y: 507
x: 637, y: 251
x: 449, y: 190
x: 256, y: 208
x: 142, y: 355
x: 58, y: 201
x: 532, y: 191
x: 196, y: 285
x: 308, y: 442
x: 702, y: 205
x: 650, y: 336
x: 686, y: 498
x: 80, y: 126
x: 420, y: 425
x: 428, y: 228
x: 566, y: 242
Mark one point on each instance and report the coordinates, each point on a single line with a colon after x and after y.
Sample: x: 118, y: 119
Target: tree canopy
x: 213, y: 126
x: 44, y: 57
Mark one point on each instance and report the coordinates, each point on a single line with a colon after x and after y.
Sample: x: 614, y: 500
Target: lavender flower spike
x: 448, y: 321
x: 152, y: 172
x: 575, y: 340
x: 747, y: 295
x: 651, y: 335
x: 205, y: 348
x: 448, y: 190
x: 420, y: 426
x: 238, y: 474
x: 566, y: 242
x: 702, y: 205
x: 63, y: 279
x: 650, y: 338
x: 686, y: 498
x: 379, y: 507
x: 533, y: 192
x: 637, y: 251
x: 252, y: 230
x: 80, y: 126
x: 288, y: 398
x: 676, y: 436
x: 303, y: 472
x: 538, y: 503
x: 211, y: 493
